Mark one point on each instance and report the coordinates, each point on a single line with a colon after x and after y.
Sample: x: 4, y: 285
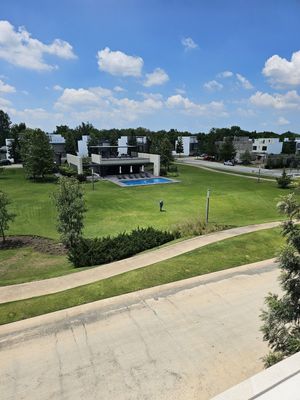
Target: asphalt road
x: 237, y: 168
x: 186, y: 340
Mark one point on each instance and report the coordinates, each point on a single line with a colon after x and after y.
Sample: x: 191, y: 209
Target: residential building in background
x: 190, y: 146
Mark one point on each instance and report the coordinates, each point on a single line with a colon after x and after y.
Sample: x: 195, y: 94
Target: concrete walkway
x: 190, y: 340
x: 53, y: 285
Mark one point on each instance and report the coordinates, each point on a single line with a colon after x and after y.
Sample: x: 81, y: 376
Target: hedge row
x: 99, y: 251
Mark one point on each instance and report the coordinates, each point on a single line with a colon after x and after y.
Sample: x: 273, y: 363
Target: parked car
x: 209, y: 158
x: 5, y: 162
x: 229, y: 162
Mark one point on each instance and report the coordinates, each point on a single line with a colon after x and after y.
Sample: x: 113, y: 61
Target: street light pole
x: 93, y: 178
x: 207, y: 206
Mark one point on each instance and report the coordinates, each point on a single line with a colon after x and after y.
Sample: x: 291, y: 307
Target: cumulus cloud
x: 283, y: 72
x: 5, y: 88
x: 100, y: 103
x: 244, y: 82
x: 118, y: 63
x: 283, y: 121
x: 58, y: 88
x: 20, y: 49
x: 188, y: 107
x: 157, y: 77
x: 289, y: 100
x: 188, y: 43
x: 225, y: 74
x: 213, y: 86
x: 119, y: 89
x: 81, y: 97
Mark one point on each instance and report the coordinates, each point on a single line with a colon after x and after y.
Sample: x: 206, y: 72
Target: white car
x: 231, y: 163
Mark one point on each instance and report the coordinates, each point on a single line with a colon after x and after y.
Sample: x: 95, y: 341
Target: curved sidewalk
x: 59, y: 284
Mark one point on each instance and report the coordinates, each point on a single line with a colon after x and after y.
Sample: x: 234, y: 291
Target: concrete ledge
x: 282, y: 381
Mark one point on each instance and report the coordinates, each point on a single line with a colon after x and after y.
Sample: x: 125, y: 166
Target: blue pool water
x: 147, y: 181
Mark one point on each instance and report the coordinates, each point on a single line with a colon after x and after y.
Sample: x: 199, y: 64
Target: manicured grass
x: 222, y: 255
x: 113, y: 209
x: 25, y: 264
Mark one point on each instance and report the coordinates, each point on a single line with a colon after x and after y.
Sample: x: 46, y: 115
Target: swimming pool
x: 146, y: 181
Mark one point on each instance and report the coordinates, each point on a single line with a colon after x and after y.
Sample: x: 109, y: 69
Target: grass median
x: 225, y: 254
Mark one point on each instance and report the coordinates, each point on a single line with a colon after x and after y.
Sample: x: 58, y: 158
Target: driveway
x: 186, y: 340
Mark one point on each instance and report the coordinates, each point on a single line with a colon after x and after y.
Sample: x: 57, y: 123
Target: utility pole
x: 93, y: 178
x: 207, y: 206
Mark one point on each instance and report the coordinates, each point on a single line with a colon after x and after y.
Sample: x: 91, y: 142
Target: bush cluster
x: 68, y: 171
x: 88, y: 252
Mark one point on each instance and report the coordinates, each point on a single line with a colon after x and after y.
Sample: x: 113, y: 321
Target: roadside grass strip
x: 229, y: 253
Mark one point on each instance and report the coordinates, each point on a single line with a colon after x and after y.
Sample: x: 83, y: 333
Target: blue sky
x: 160, y: 64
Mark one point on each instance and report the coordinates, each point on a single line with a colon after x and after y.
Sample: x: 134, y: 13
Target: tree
x: 227, y: 150
x: 5, y: 215
x: 15, y: 147
x: 37, y: 153
x: 246, y: 157
x: 179, y: 146
x: 4, y: 127
x: 284, y: 180
x: 281, y: 319
x: 165, y: 152
x: 70, y: 205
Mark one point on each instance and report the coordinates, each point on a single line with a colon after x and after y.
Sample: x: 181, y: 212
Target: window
x: 254, y: 147
x: 264, y: 148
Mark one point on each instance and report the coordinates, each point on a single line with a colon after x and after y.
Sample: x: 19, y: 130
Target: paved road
x: 47, y: 286
x: 237, y: 168
x: 186, y: 340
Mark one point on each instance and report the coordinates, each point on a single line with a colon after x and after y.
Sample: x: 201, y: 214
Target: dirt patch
x: 44, y: 245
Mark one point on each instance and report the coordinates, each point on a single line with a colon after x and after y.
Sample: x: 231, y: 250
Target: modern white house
x: 267, y: 146
x: 8, y: 143
x: 83, y: 146
x: 189, y: 146
x: 107, y: 160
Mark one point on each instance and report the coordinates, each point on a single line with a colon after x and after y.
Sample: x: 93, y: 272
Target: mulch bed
x: 38, y: 243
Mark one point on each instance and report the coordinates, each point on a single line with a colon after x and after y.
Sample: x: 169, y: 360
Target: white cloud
x: 20, y: 49
x: 188, y: 43
x: 4, y: 103
x: 5, y: 88
x: 58, y: 88
x: 244, y: 82
x: 119, y: 89
x: 213, y: 86
x: 81, y: 97
x: 180, y: 91
x: 289, y: 100
x: 283, y: 72
x: 225, y: 74
x: 188, y: 107
x: 157, y: 77
x: 118, y: 63
x: 283, y: 121
x: 100, y: 103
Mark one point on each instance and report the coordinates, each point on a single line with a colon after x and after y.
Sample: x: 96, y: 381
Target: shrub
x: 81, y: 177
x: 88, y: 252
x: 68, y: 171
x: 284, y: 180
x: 196, y: 227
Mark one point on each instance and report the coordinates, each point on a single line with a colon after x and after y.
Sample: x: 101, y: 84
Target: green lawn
x: 25, y: 264
x: 222, y: 255
x: 113, y: 209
